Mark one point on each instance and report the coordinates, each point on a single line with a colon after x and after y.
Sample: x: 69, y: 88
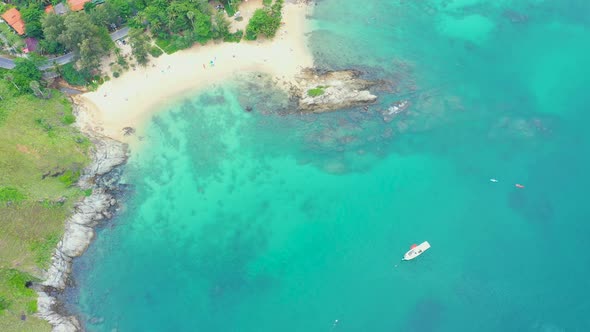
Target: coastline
x: 102, y: 177
x: 129, y: 101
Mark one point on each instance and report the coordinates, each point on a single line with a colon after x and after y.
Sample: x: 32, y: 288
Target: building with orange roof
x: 13, y: 18
x: 76, y: 5
x: 49, y: 9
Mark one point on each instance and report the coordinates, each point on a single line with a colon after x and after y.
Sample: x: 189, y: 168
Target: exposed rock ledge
x: 339, y: 90
x: 102, y: 176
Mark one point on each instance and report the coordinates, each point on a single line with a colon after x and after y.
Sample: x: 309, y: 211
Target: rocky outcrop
x: 47, y: 309
x: 324, y: 91
x: 102, y: 176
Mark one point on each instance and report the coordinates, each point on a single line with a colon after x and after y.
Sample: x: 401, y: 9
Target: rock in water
x: 334, y: 90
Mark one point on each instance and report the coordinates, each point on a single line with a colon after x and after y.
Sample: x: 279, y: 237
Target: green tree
x: 140, y: 45
x: 121, y: 7
x: 220, y: 27
x: 154, y: 16
x: 177, y: 16
x: 53, y: 26
x: 89, y: 41
x: 89, y: 6
x: 265, y: 21
x: 202, y: 27
x: 24, y: 73
x: 32, y: 15
x: 106, y: 16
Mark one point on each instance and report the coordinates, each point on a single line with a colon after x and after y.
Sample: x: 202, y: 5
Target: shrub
x: 116, y: 74
x: 69, y: 177
x: 234, y: 37
x: 43, y: 249
x: 155, y: 51
x: 46, y: 126
x: 75, y: 77
x: 31, y: 307
x: 68, y: 119
x: 265, y: 21
x: 4, y: 303
x: 318, y: 91
x: 23, y: 74
x: 11, y: 194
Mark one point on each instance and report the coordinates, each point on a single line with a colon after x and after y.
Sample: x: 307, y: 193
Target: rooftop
x: 76, y: 5
x: 13, y: 18
x: 60, y: 9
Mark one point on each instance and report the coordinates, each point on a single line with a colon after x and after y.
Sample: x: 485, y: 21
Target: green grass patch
x: 167, y: 45
x: 11, y: 194
x: 88, y: 192
x: 15, y: 300
x: 31, y: 307
x: 4, y: 303
x: 317, y: 91
x: 43, y: 249
x: 69, y: 178
x: 3, y: 115
x: 37, y: 148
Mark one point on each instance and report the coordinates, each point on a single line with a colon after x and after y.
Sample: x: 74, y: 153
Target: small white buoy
x: 493, y: 180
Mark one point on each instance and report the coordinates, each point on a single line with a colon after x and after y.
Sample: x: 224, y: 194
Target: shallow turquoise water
x: 270, y: 221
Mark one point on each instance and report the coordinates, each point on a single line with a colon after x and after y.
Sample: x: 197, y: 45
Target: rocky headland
x: 324, y: 91
x: 102, y: 177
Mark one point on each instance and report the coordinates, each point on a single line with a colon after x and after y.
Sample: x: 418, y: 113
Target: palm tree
x: 191, y: 17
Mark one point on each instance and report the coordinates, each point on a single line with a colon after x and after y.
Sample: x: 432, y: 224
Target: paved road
x: 62, y: 60
x: 6, y: 63
x: 119, y: 34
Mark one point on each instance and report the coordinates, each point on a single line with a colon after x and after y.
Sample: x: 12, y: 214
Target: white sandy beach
x: 129, y: 100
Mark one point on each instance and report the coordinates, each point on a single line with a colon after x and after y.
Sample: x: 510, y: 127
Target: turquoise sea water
x: 273, y: 221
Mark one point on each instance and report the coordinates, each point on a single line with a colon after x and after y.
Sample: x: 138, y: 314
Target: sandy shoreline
x: 128, y: 101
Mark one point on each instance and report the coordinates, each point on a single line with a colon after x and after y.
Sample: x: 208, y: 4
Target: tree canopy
x: 23, y: 74
x: 265, y: 21
x: 77, y: 33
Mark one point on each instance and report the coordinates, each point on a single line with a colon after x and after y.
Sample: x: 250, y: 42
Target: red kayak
x: 518, y: 185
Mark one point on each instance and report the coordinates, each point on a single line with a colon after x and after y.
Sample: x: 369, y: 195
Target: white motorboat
x: 416, y: 250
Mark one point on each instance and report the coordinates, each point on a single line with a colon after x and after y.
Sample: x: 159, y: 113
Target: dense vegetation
x: 172, y: 24
x: 265, y: 21
x: 41, y: 156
